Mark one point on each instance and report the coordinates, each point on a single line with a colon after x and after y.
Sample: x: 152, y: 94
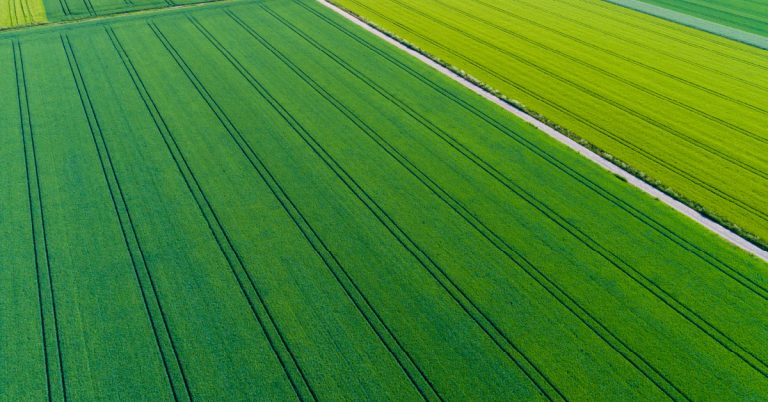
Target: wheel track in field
x: 309, y: 233
x: 24, y: 11
x: 437, y: 272
x: 89, y: 7
x: 17, y: 6
x: 613, y: 259
x: 665, y: 25
x: 637, y: 149
x: 14, y: 7
x: 133, y: 247
x: 65, y: 7
x: 13, y: 13
x: 42, y: 259
x: 236, y: 264
x: 594, y: 94
x: 633, y: 84
x: 641, y: 216
x: 13, y: 20
x: 534, y: 272
x: 623, y: 39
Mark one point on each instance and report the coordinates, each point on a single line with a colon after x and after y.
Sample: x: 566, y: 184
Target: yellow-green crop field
x: 21, y: 12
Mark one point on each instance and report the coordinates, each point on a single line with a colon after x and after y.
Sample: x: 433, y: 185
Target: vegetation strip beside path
x: 606, y: 164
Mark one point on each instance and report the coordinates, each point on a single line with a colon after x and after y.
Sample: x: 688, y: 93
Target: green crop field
x: 686, y: 108
x: 258, y: 200
x: 747, y: 15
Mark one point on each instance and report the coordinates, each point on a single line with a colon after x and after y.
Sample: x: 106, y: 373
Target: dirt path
x: 631, y: 179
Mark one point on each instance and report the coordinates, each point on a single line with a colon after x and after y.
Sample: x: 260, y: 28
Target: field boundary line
x: 692, y: 21
x: 42, y: 256
x: 598, y: 128
x: 234, y: 260
x: 641, y: 216
x: 134, y: 248
x: 300, y: 221
x: 606, y: 164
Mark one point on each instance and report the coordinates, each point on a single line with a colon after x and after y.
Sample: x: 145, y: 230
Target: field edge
x: 757, y: 241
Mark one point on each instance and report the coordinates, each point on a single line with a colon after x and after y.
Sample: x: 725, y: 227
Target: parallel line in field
x: 133, y: 246
x: 639, y: 44
x: 534, y: 272
x: 592, y: 93
x: 42, y: 259
x: 18, y: 13
x: 642, y: 152
x: 89, y: 7
x: 437, y: 272
x: 13, y: 8
x: 616, y: 77
x: 38, y: 282
x: 12, y: 13
x: 641, y: 216
x: 333, y: 265
x: 24, y: 12
x: 219, y: 233
x: 613, y: 259
x: 687, y: 32
x: 28, y: 12
x: 65, y: 7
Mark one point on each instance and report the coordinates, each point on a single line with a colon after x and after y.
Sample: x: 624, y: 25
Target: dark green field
x: 747, y: 15
x: 258, y: 200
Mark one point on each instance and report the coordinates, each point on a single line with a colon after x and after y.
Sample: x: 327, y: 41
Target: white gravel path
x: 607, y: 165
